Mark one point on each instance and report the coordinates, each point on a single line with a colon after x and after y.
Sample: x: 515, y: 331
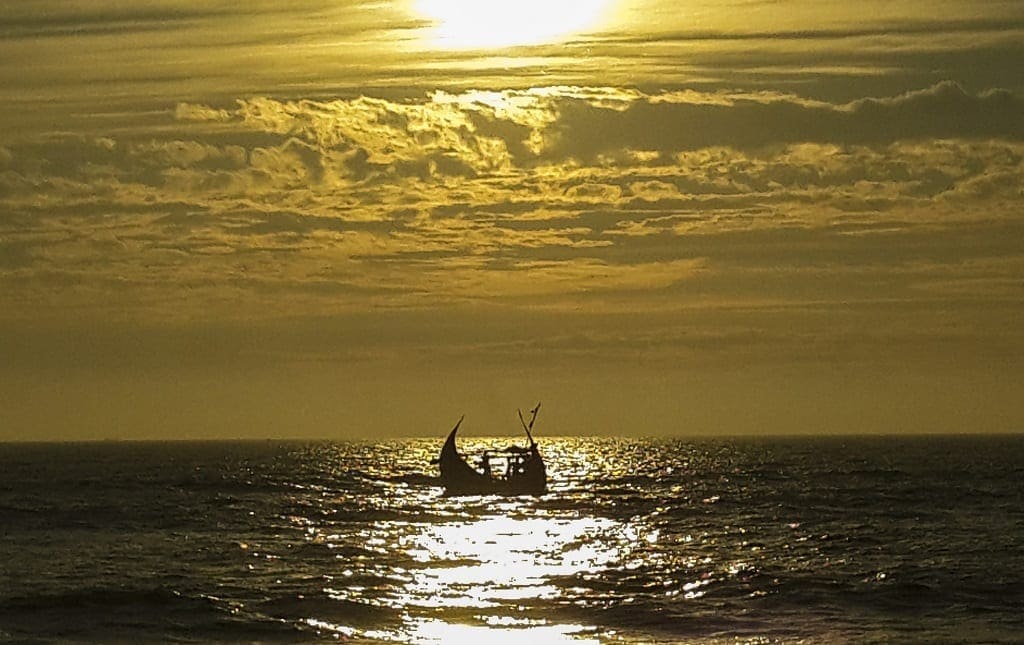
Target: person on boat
x: 485, y: 463
x: 515, y: 465
x: 519, y: 463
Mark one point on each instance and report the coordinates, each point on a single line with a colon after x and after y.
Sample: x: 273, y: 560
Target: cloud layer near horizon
x: 563, y: 197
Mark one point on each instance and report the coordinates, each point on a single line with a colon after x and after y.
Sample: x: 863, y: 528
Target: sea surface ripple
x: 852, y: 539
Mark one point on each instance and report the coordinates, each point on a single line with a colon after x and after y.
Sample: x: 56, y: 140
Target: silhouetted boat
x: 513, y: 471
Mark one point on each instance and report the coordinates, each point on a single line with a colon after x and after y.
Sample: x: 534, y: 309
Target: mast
x: 533, y: 418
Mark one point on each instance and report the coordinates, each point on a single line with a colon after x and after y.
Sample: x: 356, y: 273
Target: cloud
x: 369, y: 158
x: 45, y: 19
x: 944, y: 111
x: 482, y: 133
x: 883, y: 28
x: 264, y: 206
x: 424, y: 136
x: 197, y: 112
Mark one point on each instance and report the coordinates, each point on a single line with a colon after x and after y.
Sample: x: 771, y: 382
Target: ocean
x: 743, y: 540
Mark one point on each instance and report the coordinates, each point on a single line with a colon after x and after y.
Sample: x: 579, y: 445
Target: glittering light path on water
x: 453, y: 569
x: 495, y: 565
x: 490, y: 561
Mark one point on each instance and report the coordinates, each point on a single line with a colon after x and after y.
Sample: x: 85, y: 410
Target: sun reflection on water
x: 500, y: 563
x: 617, y: 535
x: 437, y: 631
x: 488, y: 568
x: 475, y: 564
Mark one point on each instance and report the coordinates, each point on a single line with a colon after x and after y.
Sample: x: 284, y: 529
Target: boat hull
x: 460, y: 478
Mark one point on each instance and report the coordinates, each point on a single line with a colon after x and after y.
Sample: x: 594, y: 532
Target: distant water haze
x: 364, y: 402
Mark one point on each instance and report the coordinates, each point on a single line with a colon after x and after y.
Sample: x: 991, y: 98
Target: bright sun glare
x: 491, y: 24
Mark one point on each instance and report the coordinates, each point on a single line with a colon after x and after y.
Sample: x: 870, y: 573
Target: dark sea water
x: 722, y: 541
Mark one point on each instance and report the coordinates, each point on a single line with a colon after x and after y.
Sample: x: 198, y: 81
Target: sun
x: 493, y: 24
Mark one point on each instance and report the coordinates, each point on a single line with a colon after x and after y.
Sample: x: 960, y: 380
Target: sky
x: 363, y: 219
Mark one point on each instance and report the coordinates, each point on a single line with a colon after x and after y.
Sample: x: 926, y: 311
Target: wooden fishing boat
x: 512, y: 471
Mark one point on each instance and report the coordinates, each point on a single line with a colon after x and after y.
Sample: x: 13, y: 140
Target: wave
x: 117, y: 613
x: 668, y: 541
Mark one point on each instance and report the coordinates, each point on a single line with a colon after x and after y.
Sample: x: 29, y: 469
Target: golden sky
x: 362, y: 219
